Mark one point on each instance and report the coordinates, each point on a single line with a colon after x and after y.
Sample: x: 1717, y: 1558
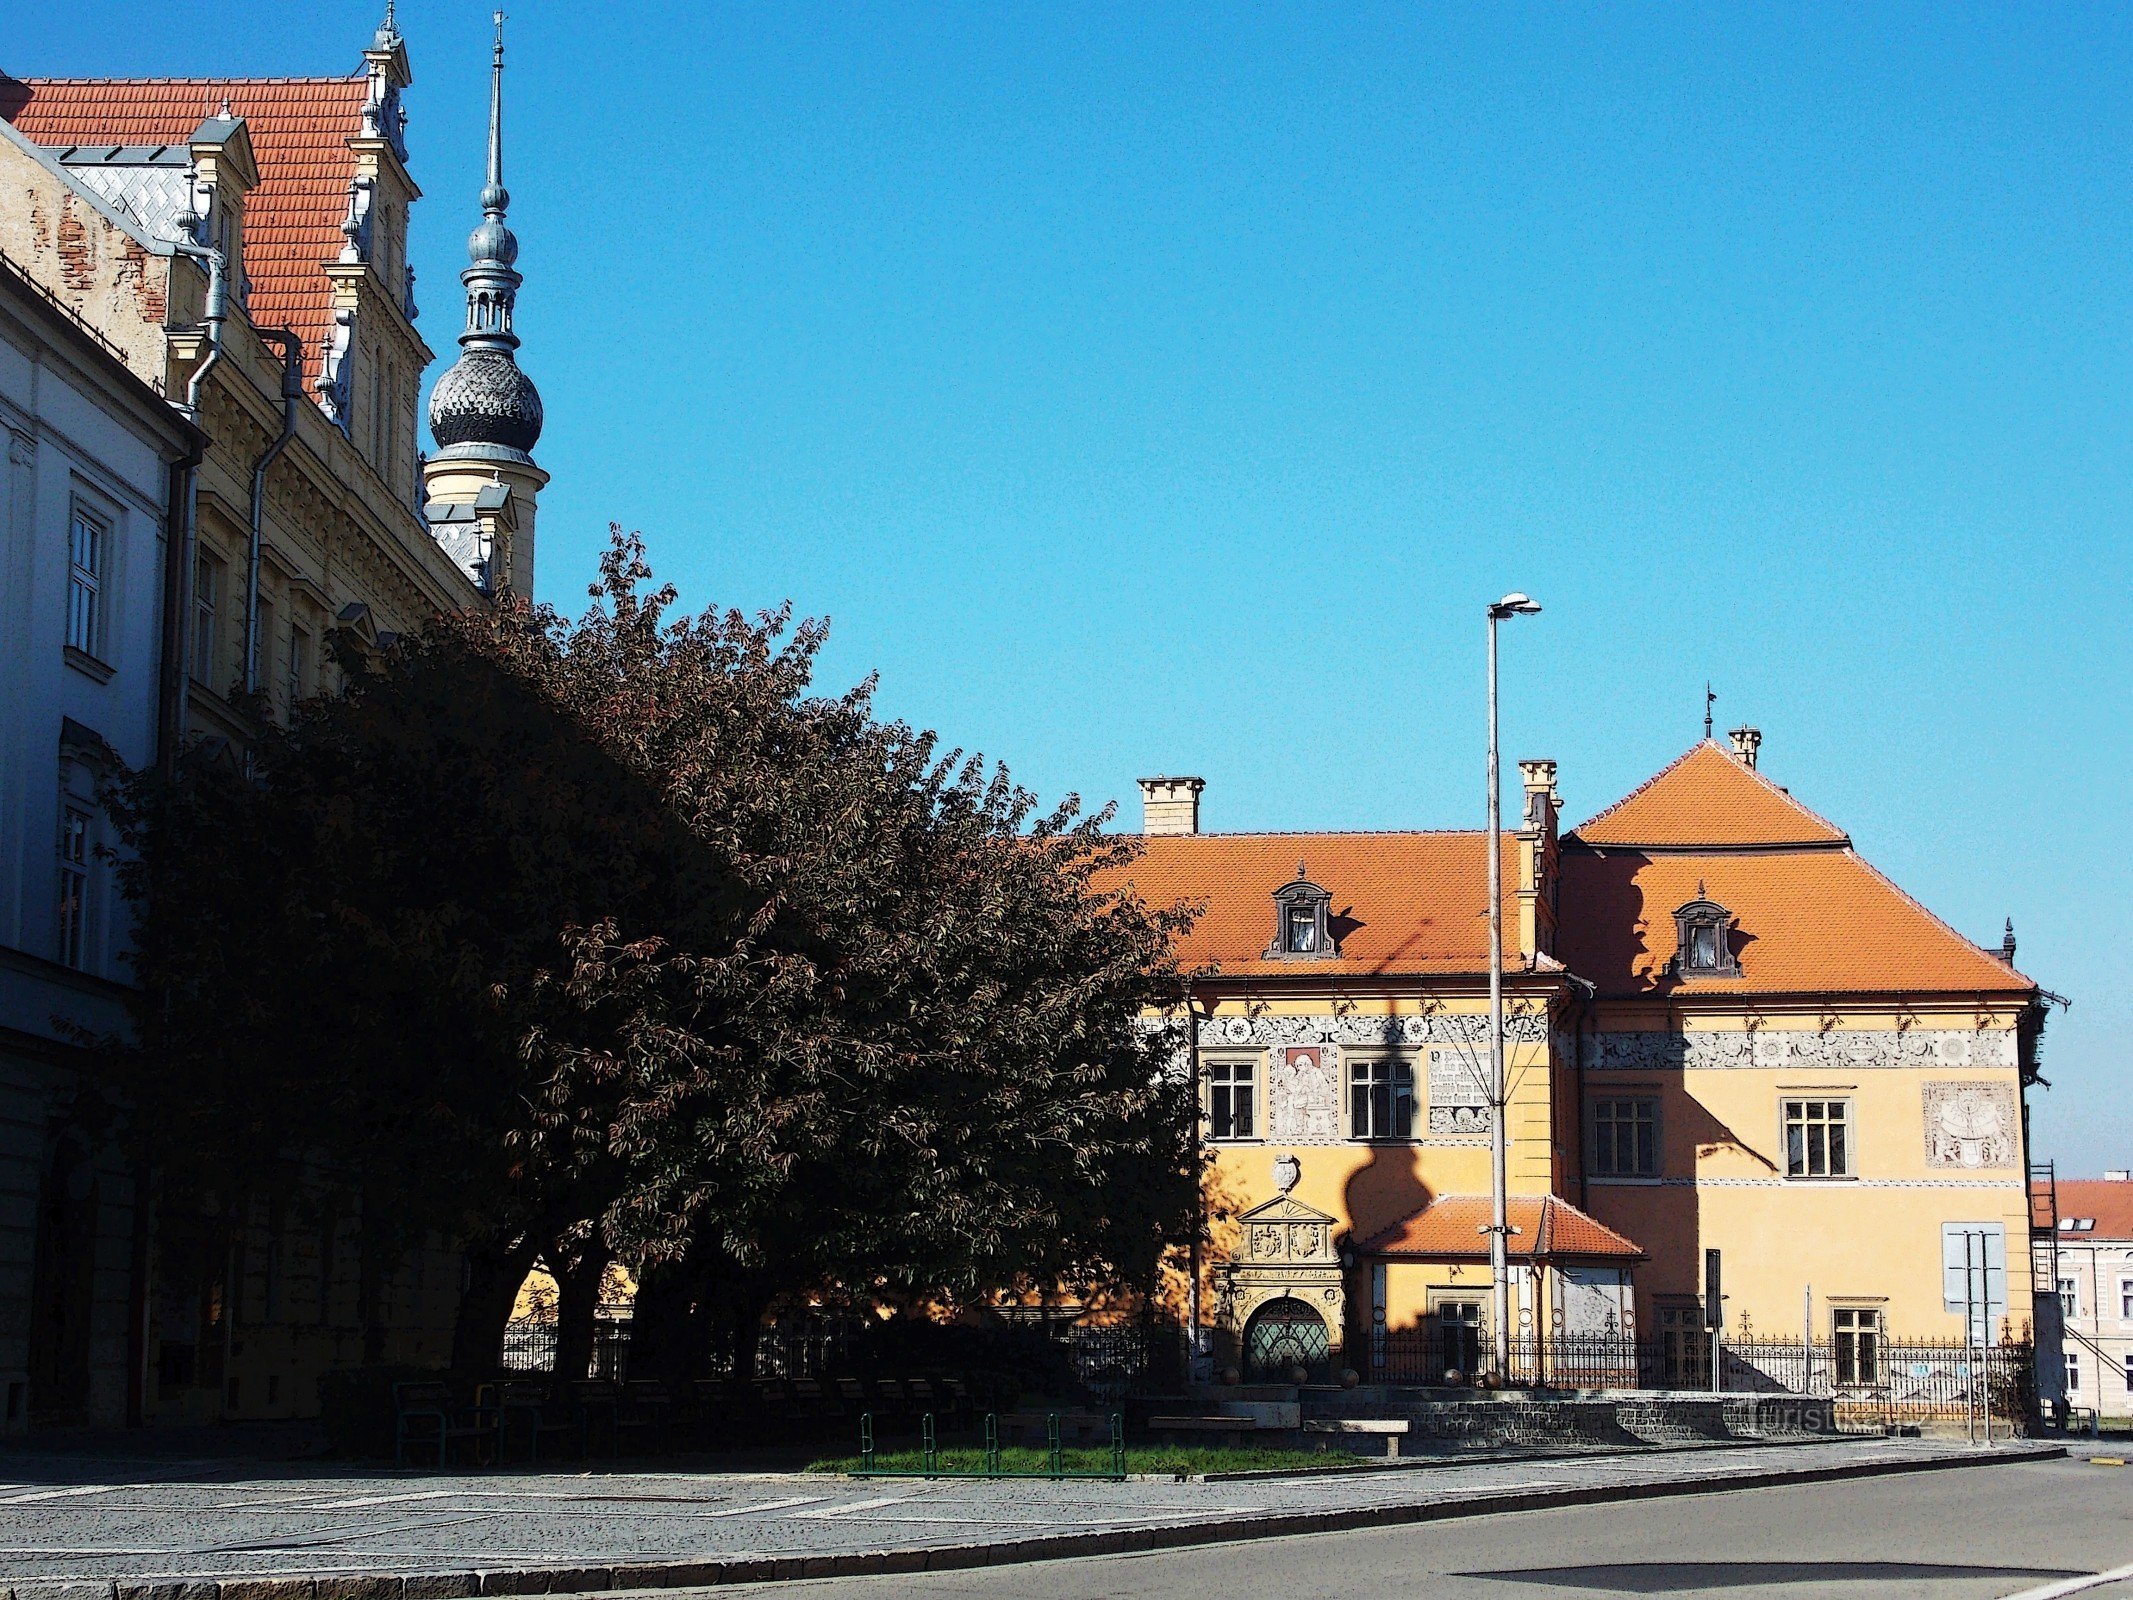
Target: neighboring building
x: 84, y: 509
x: 1725, y: 1030
x: 2094, y: 1284
x: 241, y: 246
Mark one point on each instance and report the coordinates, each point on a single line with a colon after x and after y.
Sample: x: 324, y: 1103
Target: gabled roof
x: 1546, y: 1227
x: 1401, y: 902
x: 1708, y: 800
x: 300, y: 128
x: 1809, y: 916
x: 2106, y: 1202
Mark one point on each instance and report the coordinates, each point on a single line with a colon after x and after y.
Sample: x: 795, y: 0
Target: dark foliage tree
x: 569, y: 939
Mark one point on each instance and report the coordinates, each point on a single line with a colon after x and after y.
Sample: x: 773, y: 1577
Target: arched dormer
x: 1704, y: 929
x: 1302, y: 913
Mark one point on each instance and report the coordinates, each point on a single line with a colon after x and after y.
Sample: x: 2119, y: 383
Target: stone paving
x: 198, y: 1530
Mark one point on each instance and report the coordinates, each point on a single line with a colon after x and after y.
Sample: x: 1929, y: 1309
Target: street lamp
x: 1513, y: 604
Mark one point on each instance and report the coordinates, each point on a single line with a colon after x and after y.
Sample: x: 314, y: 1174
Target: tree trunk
x: 661, y: 1326
x: 577, y: 1301
x: 494, y: 1273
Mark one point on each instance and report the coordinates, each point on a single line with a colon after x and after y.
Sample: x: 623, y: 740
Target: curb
x: 721, y: 1570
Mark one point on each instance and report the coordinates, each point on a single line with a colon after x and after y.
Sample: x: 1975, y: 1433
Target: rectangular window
x: 1381, y: 1100
x: 73, y: 884
x: 1303, y: 930
x: 299, y: 679
x: 1858, y: 1341
x: 1818, y: 1140
x: 1703, y: 946
x: 2125, y: 1299
x: 1684, y: 1348
x: 207, y: 601
x: 2129, y: 1374
x: 1231, y: 1088
x: 88, y: 547
x: 2069, y: 1297
x: 2073, y: 1374
x: 1625, y: 1138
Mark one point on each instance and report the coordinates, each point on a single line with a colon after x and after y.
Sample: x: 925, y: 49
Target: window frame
x: 2125, y: 1299
x: 1250, y: 1066
x: 1397, y: 1086
x: 208, y: 573
x: 89, y: 584
x: 1866, y: 1334
x: 1847, y: 1123
x: 2069, y: 1297
x: 1704, y: 915
x: 74, y: 849
x: 1595, y: 1144
x: 1301, y: 895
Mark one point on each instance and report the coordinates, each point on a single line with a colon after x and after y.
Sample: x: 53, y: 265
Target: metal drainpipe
x: 184, y: 516
x: 292, y: 393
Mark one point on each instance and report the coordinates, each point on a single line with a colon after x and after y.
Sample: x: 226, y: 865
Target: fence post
x: 866, y: 1441
x: 992, y: 1442
x: 1053, y: 1464
x: 930, y: 1444
x: 1118, y: 1447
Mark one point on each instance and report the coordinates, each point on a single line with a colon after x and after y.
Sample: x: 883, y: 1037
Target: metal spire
x: 1709, y: 699
x: 496, y: 128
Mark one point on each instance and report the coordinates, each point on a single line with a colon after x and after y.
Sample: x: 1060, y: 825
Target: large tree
x: 569, y: 938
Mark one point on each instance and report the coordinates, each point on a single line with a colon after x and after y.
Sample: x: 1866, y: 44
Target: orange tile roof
x: 2108, y: 1202
x: 1810, y: 916
x: 300, y: 129
x: 1707, y: 799
x: 1401, y: 902
x: 1548, y: 1226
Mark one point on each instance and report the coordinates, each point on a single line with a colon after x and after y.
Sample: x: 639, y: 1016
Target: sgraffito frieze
x: 1837, y: 1049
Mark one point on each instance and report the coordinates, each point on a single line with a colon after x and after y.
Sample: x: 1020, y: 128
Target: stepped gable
x: 1810, y: 917
x: 300, y: 128
x: 1401, y: 902
x: 1548, y: 1228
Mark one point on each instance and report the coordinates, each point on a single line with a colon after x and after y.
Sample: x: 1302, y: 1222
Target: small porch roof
x: 1453, y: 1227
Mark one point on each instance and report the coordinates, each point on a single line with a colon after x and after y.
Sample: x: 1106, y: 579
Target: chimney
x: 1171, y: 805
x: 1537, y: 858
x: 2007, y: 943
x: 2118, y: 1175
x: 1746, y: 741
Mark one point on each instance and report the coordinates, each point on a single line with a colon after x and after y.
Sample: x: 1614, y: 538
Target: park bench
x: 430, y: 1415
x: 1393, y: 1429
x: 528, y: 1410
x: 1230, y: 1431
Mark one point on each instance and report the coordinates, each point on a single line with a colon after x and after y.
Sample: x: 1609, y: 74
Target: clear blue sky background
x: 1157, y: 388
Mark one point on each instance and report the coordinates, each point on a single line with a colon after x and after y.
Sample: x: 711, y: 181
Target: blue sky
x: 1155, y: 388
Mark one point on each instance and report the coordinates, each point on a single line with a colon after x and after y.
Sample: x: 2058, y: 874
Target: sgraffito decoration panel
x: 1969, y: 1124
x: 1836, y: 1049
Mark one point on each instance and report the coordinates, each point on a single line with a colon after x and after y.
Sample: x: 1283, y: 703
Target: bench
x: 1228, y: 1431
x: 430, y: 1416
x: 1393, y: 1429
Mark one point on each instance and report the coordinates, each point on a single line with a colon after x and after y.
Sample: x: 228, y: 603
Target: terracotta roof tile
x: 1708, y: 799
x: 2107, y: 1202
x: 1547, y: 1227
x: 1401, y: 902
x: 300, y: 129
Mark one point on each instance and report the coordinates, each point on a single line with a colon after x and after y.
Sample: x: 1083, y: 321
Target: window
x: 1818, y: 1138
x: 1231, y: 1089
x: 2125, y: 1299
x: 1302, y: 936
x: 299, y: 665
x: 1459, y: 1335
x: 2073, y: 1373
x: 1858, y: 1341
x: 207, y: 601
x: 2129, y: 1374
x: 88, y: 548
x: 260, y: 670
x: 2069, y: 1297
x: 73, y: 884
x: 1704, y: 930
x: 1301, y: 926
x: 1684, y: 1348
x: 1381, y: 1098
x: 1625, y: 1138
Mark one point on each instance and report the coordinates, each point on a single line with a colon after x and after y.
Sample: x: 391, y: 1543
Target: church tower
x: 485, y: 414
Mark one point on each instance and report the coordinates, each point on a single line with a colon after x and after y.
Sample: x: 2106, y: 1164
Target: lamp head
x: 1514, y: 604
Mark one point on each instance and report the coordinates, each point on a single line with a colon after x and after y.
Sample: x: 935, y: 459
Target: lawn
x: 1161, y: 1460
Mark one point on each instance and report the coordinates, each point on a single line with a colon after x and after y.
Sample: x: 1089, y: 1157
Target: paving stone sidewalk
x: 84, y: 1529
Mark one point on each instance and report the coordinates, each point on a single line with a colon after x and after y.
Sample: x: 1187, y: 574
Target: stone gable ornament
x: 1287, y: 1171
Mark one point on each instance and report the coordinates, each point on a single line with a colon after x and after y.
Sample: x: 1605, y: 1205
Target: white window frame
x: 1232, y: 1067
x: 2069, y: 1297
x: 1844, y: 1121
x: 88, y: 578
x: 2125, y: 1299
x: 2073, y: 1374
x: 1856, y: 1323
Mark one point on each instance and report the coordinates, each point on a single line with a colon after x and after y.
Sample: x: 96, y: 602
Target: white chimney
x: 1746, y: 742
x: 1171, y: 805
x: 2119, y: 1176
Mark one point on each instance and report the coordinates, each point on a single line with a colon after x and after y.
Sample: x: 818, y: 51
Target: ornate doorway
x: 1282, y: 1335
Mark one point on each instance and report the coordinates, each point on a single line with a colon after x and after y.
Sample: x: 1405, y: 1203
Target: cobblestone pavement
x: 86, y: 1521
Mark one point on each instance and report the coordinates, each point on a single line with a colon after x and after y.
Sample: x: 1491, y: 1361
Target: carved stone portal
x: 1286, y: 1252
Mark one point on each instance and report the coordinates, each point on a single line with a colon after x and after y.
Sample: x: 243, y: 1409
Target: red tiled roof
x: 1547, y: 1226
x: 1401, y: 902
x: 1710, y: 800
x: 300, y: 129
x: 2108, y: 1202
x: 1809, y: 915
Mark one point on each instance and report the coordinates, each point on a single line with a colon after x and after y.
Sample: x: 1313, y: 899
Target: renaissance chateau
x: 1725, y: 1032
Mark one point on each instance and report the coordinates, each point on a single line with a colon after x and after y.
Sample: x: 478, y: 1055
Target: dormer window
x: 1706, y: 939
x: 1300, y: 920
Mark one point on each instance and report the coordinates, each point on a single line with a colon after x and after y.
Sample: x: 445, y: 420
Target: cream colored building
x: 2093, y: 1286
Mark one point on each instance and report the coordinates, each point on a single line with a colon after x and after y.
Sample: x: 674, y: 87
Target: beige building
x: 241, y: 245
x: 2093, y: 1278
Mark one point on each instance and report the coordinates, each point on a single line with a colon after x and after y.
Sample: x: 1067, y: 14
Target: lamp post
x: 1511, y: 605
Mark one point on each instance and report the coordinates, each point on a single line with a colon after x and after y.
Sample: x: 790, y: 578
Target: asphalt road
x: 2011, y: 1530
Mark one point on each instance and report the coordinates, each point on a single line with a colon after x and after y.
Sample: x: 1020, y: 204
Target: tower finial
x: 1709, y: 700
x: 496, y: 126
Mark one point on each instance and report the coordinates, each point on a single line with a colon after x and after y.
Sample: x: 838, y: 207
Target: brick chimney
x: 1171, y: 805
x: 1746, y: 742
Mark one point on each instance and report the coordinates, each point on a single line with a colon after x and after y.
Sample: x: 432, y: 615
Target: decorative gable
x: 1286, y: 1232
x: 1302, y: 921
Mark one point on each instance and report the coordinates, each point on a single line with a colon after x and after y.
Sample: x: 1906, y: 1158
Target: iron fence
x: 1872, y: 1380
x: 530, y: 1345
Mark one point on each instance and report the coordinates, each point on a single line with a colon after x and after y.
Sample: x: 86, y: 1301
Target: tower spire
x: 496, y: 123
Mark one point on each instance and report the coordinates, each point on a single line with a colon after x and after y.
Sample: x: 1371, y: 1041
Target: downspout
x: 184, y: 519
x: 292, y: 394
